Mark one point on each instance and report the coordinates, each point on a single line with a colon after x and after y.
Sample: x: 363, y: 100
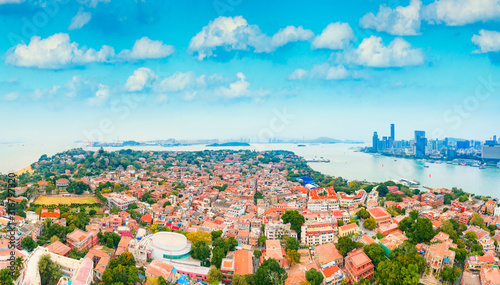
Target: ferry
x: 321, y: 159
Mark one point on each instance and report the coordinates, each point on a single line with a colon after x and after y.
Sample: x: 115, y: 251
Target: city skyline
x: 97, y: 70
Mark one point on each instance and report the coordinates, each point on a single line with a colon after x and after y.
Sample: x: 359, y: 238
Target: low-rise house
x: 358, y: 265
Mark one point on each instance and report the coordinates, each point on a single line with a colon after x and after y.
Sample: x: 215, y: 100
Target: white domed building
x: 161, y: 246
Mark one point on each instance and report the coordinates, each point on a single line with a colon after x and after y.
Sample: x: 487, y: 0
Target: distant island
x: 230, y: 144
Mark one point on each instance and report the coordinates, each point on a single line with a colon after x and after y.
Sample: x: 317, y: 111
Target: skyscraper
x: 420, y: 143
x: 375, y: 142
x: 392, y: 137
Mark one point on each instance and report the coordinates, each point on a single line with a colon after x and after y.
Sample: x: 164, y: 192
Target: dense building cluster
x: 236, y: 216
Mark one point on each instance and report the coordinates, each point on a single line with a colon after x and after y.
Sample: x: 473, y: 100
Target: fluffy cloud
x: 146, y: 48
x: 101, y: 95
x: 47, y: 92
x: 188, y: 85
x: 11, y: 96
x: 80, y: 20
x: 334, y: 36
x: 461, y: 12
x: 372, y: 52
x: 142, y: 77
x: 238, y: 88
x: 234, y: 33
x: 487, y: 41
x: 322, y: 71
x: 55, y: 52
x: 179, y: 81
x: 402, y: 21
x: 11, y: 1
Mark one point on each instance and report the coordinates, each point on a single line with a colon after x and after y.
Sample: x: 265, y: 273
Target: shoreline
x: 24, y: 170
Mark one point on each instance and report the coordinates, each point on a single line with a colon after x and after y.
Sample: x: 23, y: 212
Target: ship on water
x: 321, y: 159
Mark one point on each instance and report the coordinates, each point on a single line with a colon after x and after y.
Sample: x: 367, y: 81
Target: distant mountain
x: 324, y: 140
x: 230, y: 144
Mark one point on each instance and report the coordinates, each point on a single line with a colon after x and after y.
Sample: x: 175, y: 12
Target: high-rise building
x: 392, y: 139
x: 491, y: 149
x: 420, y: 143
x: 393, y: 132
x: 375, y: 142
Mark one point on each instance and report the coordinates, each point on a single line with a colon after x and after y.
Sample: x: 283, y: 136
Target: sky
x: 102, y: 70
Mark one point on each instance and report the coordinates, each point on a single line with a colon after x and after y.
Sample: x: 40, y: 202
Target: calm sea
x: 344, y: 162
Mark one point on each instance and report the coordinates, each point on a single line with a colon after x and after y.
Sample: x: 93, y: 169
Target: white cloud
x: 234, y: 33
x: 80, y: 20
x: 321, y: 71
x: 93, y: 3
x: 298, y: 74
x: 11, y: 96
x: 487, y: 41
x: 372, y: 52
x: 76, y: 85
x: 47, y: 92
x: 55, y: 52
x: 402, y: 21
x: 146, y: 48
x: 101, y: 95
x: 142, y: 77
x: 335, y: 36
x: 177, y: 82
x: 461, y: 12
x: 238, y: 88
x: 11, y: 1
x: 162, y: 98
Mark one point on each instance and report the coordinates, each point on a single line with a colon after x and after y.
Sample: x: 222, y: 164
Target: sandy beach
x: 26, y: 169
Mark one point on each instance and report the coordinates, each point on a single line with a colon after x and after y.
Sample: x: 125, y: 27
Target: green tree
x: 346, y: 244
x: 421, y: 231
x: 217, y: 255
x: 200, y: 250
x: 375, y: 252
x: 414, y: 214
x: 78, y: 187
x: 50, y: 272
x: 291, y: 243
x: 257, y: 196
x: 293, y: 256
x: 28, y: 243
x: 295, y: 219
x: 449, y: 274
x: 6, y: 277
x: 314, y: 277
x: 477, y: 220
x: 257, y: 254
x: 214, y: 276
x: 270, y: 273
x: 370, y: 223
x: 92, y: 212
x: 340, y: 223
x: 391, y: 272
x: 262, y: 239
x: 406, y: 224
x: 216, y: 234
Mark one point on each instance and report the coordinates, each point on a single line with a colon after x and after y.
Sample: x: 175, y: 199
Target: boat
x: 498, y: 164
x: 321, y: 159
x: 482, y: 166
x: 301, y: 145
x: 426, y: 166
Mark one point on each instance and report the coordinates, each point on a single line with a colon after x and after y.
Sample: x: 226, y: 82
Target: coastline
x: 25, y: 169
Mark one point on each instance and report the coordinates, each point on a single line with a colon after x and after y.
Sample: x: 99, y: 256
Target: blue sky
x: 144, y: 70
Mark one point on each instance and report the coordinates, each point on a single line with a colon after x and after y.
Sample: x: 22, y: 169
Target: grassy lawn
x: 49, y: 200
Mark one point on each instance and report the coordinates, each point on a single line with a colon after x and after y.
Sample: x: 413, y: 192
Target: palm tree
x: 18, y: 264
